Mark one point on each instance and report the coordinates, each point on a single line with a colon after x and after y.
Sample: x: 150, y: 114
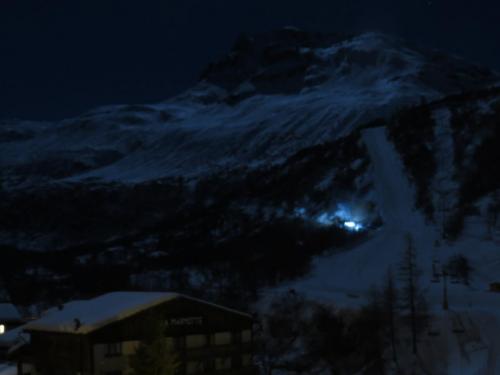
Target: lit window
x: 2, y: 329
x: 170, y: 341
x: 194, y: 367
x: 222, y: 338
x: 196, y: 341
x: 246, y: 360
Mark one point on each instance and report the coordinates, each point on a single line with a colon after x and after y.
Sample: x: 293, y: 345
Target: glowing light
x: 350, y: 224
x: 343, y: 216
x: 2, y: 329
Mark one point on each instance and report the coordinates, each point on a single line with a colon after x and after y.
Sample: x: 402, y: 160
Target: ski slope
x: 355, y: 271
x: 345, y: 279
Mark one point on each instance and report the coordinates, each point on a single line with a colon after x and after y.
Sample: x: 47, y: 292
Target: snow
x: 332, y: 277
x: 98, y: 312
x: 345, y: 279
x: 108, y: 308
x: 13, y: 337
x: 129, y: 145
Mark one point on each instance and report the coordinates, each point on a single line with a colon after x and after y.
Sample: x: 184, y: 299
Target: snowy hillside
x: 337, y: 86
x: 466, y: 335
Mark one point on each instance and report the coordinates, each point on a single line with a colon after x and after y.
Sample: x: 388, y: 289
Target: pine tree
x: 412, y: 296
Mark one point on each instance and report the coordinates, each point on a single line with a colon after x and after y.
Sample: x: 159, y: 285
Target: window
x: 179, y: 342
x: 196, y: 341
x: 222, y: 363
x: 170, y: 341
x: 209, y: 365
x: 194, y: 367
x: 222, y: 338
x: 246, y: 360
x: 2, y: 329
x: 246, y: 335
x: 114, y: 349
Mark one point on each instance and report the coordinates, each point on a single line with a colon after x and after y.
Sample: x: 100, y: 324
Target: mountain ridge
x: 211, y: 127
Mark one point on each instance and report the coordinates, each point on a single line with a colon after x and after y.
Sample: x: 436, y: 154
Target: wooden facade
x: 208, y: 339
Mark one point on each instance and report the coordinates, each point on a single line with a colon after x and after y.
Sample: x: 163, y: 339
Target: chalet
x: 99, y: 336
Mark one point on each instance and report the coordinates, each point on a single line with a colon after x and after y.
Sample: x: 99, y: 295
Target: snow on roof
x: 98, y: 312
x: 8, y: 312
x: 13, y: 337
x: 220, y: 307
x: 6, y: 369
x: 93, y: 314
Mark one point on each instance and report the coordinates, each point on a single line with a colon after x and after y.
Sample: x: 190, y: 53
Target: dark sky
x: 62, y: 57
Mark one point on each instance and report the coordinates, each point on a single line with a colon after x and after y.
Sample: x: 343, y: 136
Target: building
x: 9, y: 317
x: 10, y: 320
x: 98, y: 336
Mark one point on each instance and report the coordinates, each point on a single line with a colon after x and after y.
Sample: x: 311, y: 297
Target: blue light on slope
x: 342, y: 217
x: 352, y: 225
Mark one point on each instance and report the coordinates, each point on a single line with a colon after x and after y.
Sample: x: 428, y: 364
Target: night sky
x: 63, y: 57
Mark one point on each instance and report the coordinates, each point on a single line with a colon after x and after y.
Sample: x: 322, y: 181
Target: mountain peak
x: 271, y: 96
x: 289, y: 60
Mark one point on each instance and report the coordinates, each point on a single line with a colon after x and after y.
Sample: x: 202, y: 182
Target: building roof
x: 13, y: 336
x: 7, y: 369
x: 9, y: 313
x: 90, y: 315
x: 98, y: 312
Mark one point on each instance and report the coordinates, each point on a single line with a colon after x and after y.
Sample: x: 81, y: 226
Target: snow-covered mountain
x: 274, y: 95
x: 274, y: 123
x: 298, y: 161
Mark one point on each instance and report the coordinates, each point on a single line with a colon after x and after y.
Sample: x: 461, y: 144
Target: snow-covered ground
x: 345, y: 279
